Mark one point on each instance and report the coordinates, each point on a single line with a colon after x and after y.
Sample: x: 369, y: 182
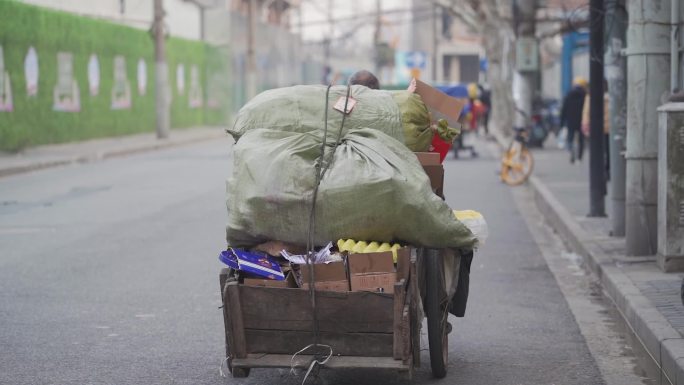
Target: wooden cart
x: 266, y: 326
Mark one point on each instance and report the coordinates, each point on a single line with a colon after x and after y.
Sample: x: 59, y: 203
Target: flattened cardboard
x: 372, y: 272
x: 364, y: 263
x: 289, y: 282
x: 333, y: 271
x: 340, y: 286
x: 383, y: 283
x: 329, y: 276
x: 437, y: 100
x: 428, y: 158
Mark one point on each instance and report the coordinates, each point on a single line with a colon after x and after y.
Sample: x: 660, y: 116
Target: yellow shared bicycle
x: 517, y: 161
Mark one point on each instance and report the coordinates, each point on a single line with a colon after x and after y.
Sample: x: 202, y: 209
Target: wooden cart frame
x: 265, y: 326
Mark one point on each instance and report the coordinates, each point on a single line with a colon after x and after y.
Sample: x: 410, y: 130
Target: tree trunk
x: 498, y: 49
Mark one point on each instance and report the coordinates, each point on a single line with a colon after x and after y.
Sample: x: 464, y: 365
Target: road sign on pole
x: 416, y: 59
x: 527, y: 54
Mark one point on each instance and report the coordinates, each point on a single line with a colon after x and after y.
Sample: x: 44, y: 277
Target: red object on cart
x: 440, y: 146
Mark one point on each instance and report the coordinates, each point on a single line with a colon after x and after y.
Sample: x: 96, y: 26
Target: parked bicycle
x: 517, y: 161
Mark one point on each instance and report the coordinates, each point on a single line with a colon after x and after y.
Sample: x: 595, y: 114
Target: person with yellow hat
x: 571, y: 116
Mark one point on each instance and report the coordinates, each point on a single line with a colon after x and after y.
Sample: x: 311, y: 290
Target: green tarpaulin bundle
x: 399, y: 114
x: 374, y: 189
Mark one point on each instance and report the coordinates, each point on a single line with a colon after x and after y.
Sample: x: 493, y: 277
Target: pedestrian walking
x: 486, y: 99
x: 571, y: 117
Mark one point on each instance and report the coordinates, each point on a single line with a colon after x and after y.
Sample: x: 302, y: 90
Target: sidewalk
x: 97, y: 149
x: 648, y: 299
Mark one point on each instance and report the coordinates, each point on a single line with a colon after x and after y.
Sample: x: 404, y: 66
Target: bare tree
x: 491, y: 20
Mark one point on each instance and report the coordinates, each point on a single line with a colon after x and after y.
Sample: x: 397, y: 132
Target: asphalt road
x: 109, y: 275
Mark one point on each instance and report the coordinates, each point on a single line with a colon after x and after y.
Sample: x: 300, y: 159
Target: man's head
x: 365, y: 78
x: 580, y: 81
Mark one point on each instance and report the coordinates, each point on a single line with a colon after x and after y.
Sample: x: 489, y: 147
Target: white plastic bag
x: 475, y: 222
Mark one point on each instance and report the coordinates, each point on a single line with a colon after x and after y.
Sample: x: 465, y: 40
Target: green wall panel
x: 33, y: 120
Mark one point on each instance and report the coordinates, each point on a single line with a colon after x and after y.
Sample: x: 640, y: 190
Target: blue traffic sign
x: 416, y: 59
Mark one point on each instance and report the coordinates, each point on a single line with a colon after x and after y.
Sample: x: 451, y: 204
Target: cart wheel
x: 240, y: 372
x: 436, y: 311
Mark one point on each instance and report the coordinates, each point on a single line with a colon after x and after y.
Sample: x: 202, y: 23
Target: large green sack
x: 374, y: 190
x: 302, y: 108
x: 415, y: 119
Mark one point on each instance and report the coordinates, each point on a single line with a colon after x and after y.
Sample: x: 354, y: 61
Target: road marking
x: 25, y: 230
x: 144, y: 316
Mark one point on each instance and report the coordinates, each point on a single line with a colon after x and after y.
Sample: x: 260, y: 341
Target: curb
x: 659, y: 339
x: 95, y: 156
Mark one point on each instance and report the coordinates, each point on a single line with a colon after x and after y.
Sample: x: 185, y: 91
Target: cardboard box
x: 289, y: 282
x: 436, y: 175
x: 403, y: 263
x: 372, y: 272
x: 434, y: 170
x: 328, y: 276
x: 428, y: 158
x: 440, y: 104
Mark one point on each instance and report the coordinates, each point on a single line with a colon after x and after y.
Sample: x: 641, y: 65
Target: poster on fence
x: 94, y: 75
x: 195, y: 92
x: 66, y: 94
x: 142, y: 77
x: 31, y: 72
x: 180, y: 79
x: 214, y: 90
x: 5, y: 86
x: 121, y: 90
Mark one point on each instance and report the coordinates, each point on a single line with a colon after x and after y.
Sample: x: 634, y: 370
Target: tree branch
x: 464, y: 13
x: 564, y: 28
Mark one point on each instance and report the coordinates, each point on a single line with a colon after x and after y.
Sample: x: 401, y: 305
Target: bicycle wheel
x: 436, y: 303
x: 516, y: 165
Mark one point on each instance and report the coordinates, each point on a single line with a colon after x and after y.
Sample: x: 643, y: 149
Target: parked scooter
x: 545, y: 118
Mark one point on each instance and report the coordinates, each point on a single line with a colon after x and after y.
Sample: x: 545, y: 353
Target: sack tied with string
x: 375, y: 188
x: 399, y: 114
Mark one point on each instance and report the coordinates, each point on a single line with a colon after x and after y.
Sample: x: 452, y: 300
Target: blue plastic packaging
x: 258, y: 264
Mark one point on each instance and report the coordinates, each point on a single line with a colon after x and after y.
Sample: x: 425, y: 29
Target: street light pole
x: 376, y: 38
x: 597, y: 162
x: 162, y: 94
x: 251, y: 54
x: 616, y: 73
x: 526, y: 86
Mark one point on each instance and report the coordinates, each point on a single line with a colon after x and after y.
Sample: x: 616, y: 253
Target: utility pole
x: 376, y: 37
x: 251, y: 55
x: 615, y: 68
x: 435, y: 37
x: 675, y: 35
x: 597, y: 160
x: 526, y: 46
x: 648, y: 78
x: 328, y: 40
x: 162, y: 92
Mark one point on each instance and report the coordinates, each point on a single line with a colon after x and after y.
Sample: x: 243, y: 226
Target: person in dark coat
x: 571, y: 116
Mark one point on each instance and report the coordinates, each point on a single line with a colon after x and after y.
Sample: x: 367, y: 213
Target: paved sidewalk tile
x: 570, y: 184
x: 646, y: 296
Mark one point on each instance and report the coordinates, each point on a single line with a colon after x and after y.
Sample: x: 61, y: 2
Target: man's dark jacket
x: 571, y: 114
